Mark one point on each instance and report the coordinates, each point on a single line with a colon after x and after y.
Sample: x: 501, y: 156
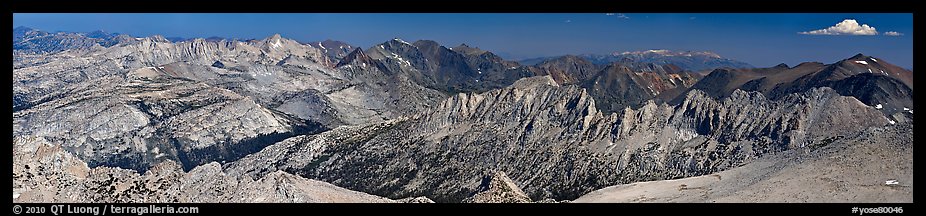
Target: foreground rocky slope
x: 555, y: 144
x: 854, y: 168
x: 498, y: 188
x: 44, y: 172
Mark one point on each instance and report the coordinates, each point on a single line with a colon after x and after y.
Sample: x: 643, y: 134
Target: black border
x: 497, y: 6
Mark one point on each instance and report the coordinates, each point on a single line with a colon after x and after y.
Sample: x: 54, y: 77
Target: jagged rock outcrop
x: 555, y: 142
x: 44, y: 172
x: 498, y: 188
x: 415, y: 200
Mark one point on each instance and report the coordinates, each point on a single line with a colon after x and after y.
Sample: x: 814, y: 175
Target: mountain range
x: 703, y: 61
x: 101, y: 117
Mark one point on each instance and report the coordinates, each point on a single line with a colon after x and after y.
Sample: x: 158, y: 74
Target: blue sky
x: 760, y: 39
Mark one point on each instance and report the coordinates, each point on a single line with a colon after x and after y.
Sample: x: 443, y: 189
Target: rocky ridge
x: 552, y: 140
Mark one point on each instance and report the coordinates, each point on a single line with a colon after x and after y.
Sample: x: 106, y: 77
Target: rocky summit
x: 107, y: 117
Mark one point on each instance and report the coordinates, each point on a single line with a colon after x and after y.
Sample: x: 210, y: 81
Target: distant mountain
x: 333, y: 50
x: 31, y: 40
x: 20, y: 32
x: 444, y: 69
x: 622, y: 85
x: 872, y: 80
x: 687, y: 60
x: 618, y: 85
x: 101, y: 35
x: 568, y: 69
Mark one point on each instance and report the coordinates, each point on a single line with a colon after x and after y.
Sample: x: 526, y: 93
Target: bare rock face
x: 498, y: 188
x: 555, y: 142
x: 44, y: 172
x: 140, y: 102
x: 138, y: 123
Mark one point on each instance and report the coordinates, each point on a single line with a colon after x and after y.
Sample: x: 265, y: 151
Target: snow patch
x: 869, y: 70
x: 862, y: 62
x: 891, y: 182
x: 659, y: 51
x: 322, y: 46
x: 397, y: 57
x: 15, y: 195
x: 401, y: 41
x: 512, y: 68
x: 873, y: 59
x: 276, y: 43
x: 891, y: 121
x: 381, y: 46
x: 878, y: 106
x: 906, y: 109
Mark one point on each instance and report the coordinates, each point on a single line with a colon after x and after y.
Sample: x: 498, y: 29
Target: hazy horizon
x: 763, y: 40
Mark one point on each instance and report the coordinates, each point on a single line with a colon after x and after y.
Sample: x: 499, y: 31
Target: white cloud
x: 893, y: 33
x: 619, y: 15
x: 568, y: 21
x: 846, y: 27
